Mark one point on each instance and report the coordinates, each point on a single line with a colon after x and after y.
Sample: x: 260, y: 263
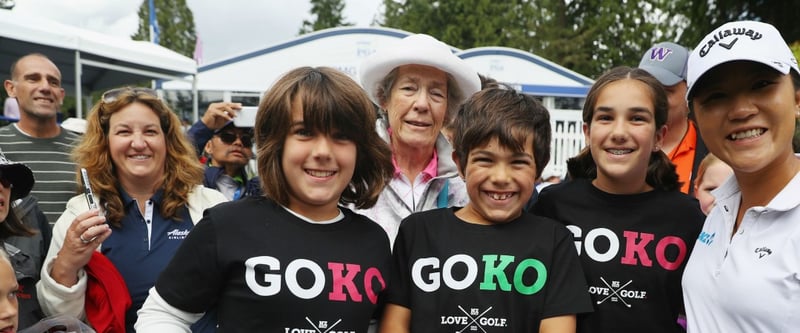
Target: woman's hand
x: 85, y: 233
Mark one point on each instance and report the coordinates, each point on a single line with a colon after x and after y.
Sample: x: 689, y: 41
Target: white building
x: 244, y: 78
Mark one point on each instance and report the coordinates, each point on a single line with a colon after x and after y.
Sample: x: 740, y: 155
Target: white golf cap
x: 741, y: 40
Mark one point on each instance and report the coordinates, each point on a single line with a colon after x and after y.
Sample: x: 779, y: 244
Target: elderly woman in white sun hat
x: 418, y: 84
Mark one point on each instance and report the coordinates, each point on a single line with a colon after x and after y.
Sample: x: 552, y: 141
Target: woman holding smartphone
x: 145, y: 177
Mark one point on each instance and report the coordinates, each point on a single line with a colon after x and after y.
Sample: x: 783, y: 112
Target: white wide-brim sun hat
x: 418, y: 49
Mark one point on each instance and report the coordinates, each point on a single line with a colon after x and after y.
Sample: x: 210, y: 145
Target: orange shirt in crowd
x: 683, y: 157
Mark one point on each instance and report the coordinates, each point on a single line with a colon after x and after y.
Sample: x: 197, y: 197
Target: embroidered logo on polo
x: 472, y: 320
x: 616, y: 292
x: 763, y: 252
x: 722, y: 35
x: 706, y: 238
x: 322, y: 326
x: 177, y: 234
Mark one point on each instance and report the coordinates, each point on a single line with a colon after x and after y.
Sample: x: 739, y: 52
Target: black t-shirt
x: 633, y: 249
x: 267, y: 270
x: 457, y: 276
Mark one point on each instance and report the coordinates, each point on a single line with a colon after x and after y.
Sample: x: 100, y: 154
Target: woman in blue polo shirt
x: 146, y: 177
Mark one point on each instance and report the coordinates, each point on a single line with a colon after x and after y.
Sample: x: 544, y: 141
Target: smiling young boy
x: 487, y: 266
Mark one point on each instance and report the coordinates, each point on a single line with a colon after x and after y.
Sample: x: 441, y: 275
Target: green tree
x: 707, y: 15
x: 175, y: 22
x: 466, y: 23
x: 598, y: 35
x: 328, y: 14
x: 587, y: 36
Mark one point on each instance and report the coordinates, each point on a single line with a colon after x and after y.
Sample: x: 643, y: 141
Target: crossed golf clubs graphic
x: 317, y: 328
x: 473, y: 320
x: 614, y: 292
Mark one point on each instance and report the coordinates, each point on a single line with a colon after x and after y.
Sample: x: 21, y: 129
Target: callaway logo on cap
x: 741, y: 40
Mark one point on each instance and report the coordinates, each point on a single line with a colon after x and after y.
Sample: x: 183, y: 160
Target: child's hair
x: 707, y: 162
x: 331, y: 101
x: 660, y: 171
x: 502, y: 113
x: 486, y: 82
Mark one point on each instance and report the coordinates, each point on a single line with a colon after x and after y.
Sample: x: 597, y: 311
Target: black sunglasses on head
x: 229, y: 138
x: 112, y: 95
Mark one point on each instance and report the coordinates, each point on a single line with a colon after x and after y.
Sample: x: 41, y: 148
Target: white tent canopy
x: 88, y: 60
x: 528, y: 72
x: 342, y: 48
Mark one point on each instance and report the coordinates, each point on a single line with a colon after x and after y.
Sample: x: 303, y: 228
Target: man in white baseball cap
x: 666, y: 61
x: 743, y: 274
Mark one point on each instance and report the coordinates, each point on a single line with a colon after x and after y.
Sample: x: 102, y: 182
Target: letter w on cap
x: 659, y: 53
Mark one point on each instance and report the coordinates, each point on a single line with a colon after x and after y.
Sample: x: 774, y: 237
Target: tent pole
x: 78, y: 84
x: 195, y: 101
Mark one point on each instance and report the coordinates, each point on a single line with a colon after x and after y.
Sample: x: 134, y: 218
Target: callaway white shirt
x: 749, y: 282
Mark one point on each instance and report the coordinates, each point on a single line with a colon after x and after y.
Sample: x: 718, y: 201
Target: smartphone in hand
x: 87, y: 191
x: 246, y: 117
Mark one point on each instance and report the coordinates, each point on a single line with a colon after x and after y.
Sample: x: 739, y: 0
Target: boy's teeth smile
x: 500, y: 196
x: 747, y: 134
x: 317, y: 173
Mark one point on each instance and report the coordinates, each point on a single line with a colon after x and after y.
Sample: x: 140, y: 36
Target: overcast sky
x: 226, y: 28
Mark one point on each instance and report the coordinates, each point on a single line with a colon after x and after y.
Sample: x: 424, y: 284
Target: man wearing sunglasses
x: 229, y: 150
x: 216, y: 117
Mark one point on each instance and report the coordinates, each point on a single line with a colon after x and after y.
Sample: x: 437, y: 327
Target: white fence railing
x: 568, y: 138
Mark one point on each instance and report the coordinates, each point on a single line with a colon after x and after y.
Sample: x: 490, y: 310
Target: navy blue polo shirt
x: 143, y: 246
